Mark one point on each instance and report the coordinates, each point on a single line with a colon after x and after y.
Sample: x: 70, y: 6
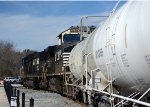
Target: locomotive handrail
x: 82, y: 23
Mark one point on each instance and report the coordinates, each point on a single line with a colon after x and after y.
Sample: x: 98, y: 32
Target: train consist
x: 49, y: 69
x: 114, y: 60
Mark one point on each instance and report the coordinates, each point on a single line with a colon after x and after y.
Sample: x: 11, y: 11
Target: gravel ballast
x: 46, y: 99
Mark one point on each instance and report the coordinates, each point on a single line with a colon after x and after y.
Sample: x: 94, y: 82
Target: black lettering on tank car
x: 147, y: 60
x: 124, y: 60
x: 99, y: 53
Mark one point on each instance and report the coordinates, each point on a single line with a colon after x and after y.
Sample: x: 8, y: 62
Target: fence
x: 13, y: 96
x: 8, y: 89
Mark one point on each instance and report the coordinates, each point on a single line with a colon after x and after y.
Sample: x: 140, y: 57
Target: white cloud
x: 28, y: 32
x: 34, y: 32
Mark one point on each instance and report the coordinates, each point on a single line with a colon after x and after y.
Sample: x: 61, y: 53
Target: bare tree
x: 10, y: 59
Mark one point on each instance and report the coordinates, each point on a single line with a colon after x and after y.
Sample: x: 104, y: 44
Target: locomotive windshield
x: 71, y: 37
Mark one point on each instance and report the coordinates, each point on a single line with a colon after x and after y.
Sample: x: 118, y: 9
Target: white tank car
x: 121, y: 44
x: 77, y: 58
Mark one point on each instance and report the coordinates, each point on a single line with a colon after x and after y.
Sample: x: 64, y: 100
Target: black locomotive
x: 49, y: 69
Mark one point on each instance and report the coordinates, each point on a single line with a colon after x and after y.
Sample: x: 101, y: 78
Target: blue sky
x: 36, y: 24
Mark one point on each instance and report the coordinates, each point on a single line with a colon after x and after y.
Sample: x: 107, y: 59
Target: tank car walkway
x: 3, y: 98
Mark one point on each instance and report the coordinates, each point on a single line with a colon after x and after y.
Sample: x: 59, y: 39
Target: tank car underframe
x: 133, y: 98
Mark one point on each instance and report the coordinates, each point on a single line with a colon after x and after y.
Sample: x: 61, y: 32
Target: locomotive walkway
x: 3, y: 97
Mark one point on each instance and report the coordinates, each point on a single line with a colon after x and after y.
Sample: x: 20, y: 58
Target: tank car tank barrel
x: 130, y: 64
x: 123, y: 40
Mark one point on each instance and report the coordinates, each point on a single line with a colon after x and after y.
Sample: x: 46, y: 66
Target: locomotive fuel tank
x: 120, y: 47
